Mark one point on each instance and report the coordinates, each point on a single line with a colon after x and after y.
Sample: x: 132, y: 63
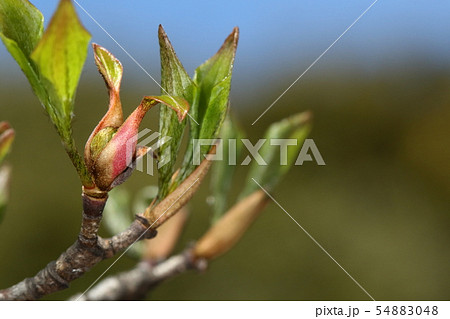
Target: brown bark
x: 87, y: 251
x: 137, y: 282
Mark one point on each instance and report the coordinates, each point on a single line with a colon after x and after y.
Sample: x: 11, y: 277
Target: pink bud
x: 112, y: 152
x: 111, y: 70
x: 113, y: 159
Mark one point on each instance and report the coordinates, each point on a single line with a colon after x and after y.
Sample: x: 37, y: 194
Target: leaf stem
x: 77, y: 160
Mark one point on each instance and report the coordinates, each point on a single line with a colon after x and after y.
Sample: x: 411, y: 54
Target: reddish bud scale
x: 108, y: 153
x: 113, y: 160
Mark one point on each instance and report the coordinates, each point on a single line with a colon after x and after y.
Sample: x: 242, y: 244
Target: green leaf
x: 294, y: 127
x: 21, y: 27
x: 110, y: 68
x: 213, y: 79
x: 21, y: 23
x: 210, y: 101
x: 52, y: 63
x: 222, y: 172
x: 176, y: 103
x: 60, y: 56
x: 175, y: 82
x: 26, y: 65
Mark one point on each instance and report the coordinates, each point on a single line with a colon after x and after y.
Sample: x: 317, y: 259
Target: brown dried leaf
x: 162, y: 245
x: 224, y: 234
x: 165, y: 209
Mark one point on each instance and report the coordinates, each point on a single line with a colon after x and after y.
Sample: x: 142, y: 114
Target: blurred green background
x: 380, y: 206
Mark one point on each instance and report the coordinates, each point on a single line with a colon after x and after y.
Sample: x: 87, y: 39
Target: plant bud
x: 111, y: 148
x: 111, y: 71
x: 110, y: 151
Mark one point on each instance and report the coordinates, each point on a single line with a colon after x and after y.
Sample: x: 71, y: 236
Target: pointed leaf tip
x: 60, y: 55
x: 174, y: 82
x: 178, y: 104
x: 174, y: 78
x: 109, y: 67
x: 111, y: 70
x: 161, y: 32
x: 230, y: 43
x: 212, y: 82
x: 233, y: 38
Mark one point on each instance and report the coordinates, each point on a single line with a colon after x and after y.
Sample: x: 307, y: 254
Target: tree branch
x: 136, y: 283
x: 89, y: 249
x: 79, y: 258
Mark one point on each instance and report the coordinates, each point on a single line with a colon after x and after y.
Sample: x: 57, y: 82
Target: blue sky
x: 276, y: 36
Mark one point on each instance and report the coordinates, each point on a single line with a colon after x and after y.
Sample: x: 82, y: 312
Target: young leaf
x: 112, y: 150
x: 22, y: 23
x: 176, y: 103
x: 175, y: 82
x: 60, y: 56
x: 111, y: 70
x: 109, y: 67
x: 295, y: 127
x: 51, y: 63
x: 210, y: 101
x: 222, y: 172
x: 213, y: 79
x: 21, y: 27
